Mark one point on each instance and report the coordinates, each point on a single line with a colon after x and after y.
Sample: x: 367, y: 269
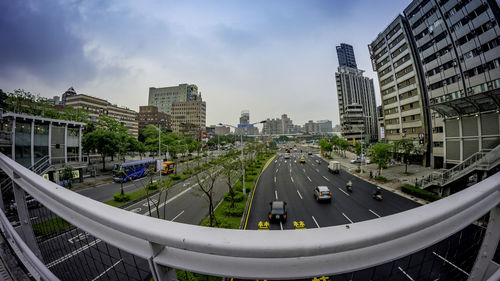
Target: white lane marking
x: 276, y: 171
x: 450, y: 263
x: 275, y: 179
x: 109, y: 268
x: 152, y: 200
x: 290, y: 171
x: 178, y: 215
x: 316, y: 222
x: 343, y: 191
x: 406, y: 274
x: 74, y: 253
x: 136, y: 210
x: 275, y: 161
x: 276, y: 194
x: 281, y: 225
x: 309, y: 178
x: 347, y: 218
x: 79, y: 237
x: 304, y: 170
x: 291, y: 179
x: 299, y: 194
x: 317, y: 170
x: 374, y: 213
x: 326, y: 178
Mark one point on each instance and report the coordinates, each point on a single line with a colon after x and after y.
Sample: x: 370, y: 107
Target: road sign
x: 420, y: 135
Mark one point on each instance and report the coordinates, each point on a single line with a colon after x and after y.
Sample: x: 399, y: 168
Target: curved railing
x: 267, y: 254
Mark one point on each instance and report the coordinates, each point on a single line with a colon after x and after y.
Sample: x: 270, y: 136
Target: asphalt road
x: 293, y: 182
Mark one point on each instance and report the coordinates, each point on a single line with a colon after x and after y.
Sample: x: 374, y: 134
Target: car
x: 278, y: 211
x: 302, y: 160
x: 309, y: 153
x: 287, y: 156
x: 322, y: 193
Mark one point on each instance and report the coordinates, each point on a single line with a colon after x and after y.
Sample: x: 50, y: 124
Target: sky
x: 269, y: 57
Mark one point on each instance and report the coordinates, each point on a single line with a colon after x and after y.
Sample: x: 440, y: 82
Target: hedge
x: 121, y: 197
x: 420, y: 193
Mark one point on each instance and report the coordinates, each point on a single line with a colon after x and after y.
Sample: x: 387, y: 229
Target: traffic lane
x: 322, y: 213
x: 105, y: 192
x: 362, y: 191
x: 263, y: 194
x: 344, y: 209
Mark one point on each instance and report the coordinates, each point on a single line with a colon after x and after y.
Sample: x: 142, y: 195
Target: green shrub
x: 380, y: 178
x: 175, y: 177
x: 187, y: 172
x: 249, y: 178
x: 420, y: 193
x: 357, y: 170
x: 238, y: 196
x: 182, y: 160
x: 152, y: 186
x: 236, y: 211
x: 121, y: 197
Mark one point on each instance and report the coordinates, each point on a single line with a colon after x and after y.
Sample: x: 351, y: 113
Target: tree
x: 67, y: 174
x: 206, y: 183
x: 102, y: 141
x: 231, y: 176
x: 381, y: 155
x: 325, y: 145
x: 405, y: 147
x: 344, y: 145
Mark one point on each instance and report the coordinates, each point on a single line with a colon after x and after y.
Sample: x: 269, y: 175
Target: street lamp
x: 241, y: 144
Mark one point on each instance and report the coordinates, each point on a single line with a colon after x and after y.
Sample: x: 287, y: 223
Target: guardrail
x: 272, y: 254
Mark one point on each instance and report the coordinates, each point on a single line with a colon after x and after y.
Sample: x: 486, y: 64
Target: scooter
x: 349, y: 186
x: 377, y: 197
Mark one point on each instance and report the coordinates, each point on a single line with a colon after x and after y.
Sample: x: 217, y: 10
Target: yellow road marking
x: 256, y: 183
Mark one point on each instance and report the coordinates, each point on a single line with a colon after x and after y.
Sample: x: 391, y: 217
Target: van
x: 334, y: 167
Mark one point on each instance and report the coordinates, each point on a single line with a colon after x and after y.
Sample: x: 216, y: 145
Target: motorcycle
x: 377, y: 197
x: 318, y: 161
x: 349, y: 186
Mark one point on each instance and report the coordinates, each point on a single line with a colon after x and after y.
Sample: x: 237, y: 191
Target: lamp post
x: 241, y: 144
x: 159, y: 140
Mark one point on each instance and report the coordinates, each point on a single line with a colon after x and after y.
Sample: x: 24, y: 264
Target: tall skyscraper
x: 356, y: 98
x: 456, y: 48
x: 345, y: 54
x: 244, y: 127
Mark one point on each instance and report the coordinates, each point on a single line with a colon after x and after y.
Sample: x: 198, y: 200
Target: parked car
x: 278, y: 211
x: 322, y: 193
x: 310, y: 153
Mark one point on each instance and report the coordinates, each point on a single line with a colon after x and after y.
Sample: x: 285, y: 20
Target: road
x: 293, y: 182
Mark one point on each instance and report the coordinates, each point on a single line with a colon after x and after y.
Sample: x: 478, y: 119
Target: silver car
x: 322, y: 193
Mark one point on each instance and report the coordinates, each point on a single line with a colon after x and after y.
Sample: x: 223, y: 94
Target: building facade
x: 355, y: 89
x: 345, y: 54
x: 458, y: 45
x: 163, y: 98
x: 456, y: 49
x: 149, y: 115
x: 244, y: 127
x: 97, y: 106
x: 404, y: 99
x: 33, y: 140
x: 189, y: 117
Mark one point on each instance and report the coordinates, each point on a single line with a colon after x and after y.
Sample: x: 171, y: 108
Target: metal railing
x: 272, y: 254
x: 41, y: 166
x: 484, y: 160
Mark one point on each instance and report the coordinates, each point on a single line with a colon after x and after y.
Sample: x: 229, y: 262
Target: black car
x: 278, y: 211
x: 309, y: 153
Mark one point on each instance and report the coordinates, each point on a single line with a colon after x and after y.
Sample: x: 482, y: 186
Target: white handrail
x: 285, y: 254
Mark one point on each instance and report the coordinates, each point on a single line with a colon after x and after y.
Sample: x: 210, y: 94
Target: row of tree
x: 381, y: 153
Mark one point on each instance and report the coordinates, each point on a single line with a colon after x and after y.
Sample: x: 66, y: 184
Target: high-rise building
x: 324, y: 126
x: 97, y: 106
x: 164, y: 97
x: 404, y: 98
x: 244, y: 127
x: 354, y: 88
x: 345, y: 54
x: 457, y: 54
x: 189, y: 117
x: 149, y: 115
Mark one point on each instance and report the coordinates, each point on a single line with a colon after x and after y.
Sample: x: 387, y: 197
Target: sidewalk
x: 395, y: 174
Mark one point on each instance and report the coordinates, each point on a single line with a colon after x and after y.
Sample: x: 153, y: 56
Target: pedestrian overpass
x: 88, y: 240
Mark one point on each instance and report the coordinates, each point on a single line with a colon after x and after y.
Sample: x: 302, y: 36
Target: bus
x: 126, y: 171
x: 168, y: 167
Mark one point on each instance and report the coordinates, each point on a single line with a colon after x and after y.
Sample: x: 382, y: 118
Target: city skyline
x: 268, y: 58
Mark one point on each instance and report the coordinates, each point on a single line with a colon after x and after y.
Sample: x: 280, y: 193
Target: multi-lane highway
x: 293, y: 182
